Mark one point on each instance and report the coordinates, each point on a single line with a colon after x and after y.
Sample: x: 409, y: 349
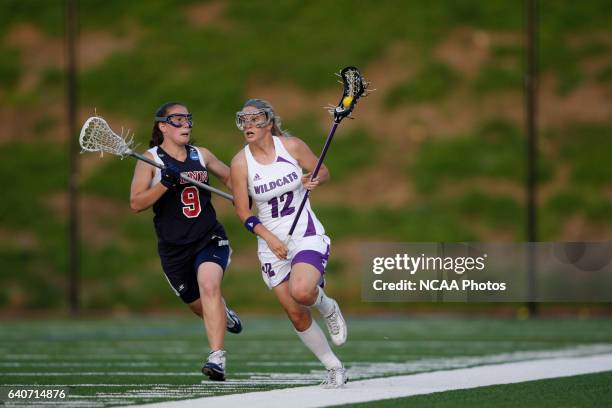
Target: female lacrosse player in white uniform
x: 192, y: 244
x: 269, y: 169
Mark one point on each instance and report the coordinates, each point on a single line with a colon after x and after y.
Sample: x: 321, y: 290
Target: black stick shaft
x: 188, y: 179
x: 313, y: 176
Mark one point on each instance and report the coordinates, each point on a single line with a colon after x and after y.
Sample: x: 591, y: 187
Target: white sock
x: 324, y: 303
x: 316, y: 342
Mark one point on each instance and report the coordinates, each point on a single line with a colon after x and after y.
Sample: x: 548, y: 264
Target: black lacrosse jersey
x: 184, y: 214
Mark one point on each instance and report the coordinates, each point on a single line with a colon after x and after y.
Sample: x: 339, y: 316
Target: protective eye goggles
x: 176, y: 120
x: 259, y: 118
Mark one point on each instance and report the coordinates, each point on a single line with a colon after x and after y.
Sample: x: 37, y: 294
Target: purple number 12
x: 287, y: 209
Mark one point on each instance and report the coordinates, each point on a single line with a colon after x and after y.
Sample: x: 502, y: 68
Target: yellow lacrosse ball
x: 346, y: 101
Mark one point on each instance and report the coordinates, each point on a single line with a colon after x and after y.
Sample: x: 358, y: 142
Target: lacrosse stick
x: 97, y: 136
x: 354, y: 87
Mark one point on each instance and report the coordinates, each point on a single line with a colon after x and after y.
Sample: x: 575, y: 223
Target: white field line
x: 406, y: 385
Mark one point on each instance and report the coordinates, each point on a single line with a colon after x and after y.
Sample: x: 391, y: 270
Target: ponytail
x: 157, y: 137
x: 276, y: 128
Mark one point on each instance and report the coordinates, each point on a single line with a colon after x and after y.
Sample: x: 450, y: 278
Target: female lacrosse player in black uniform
x: 192, y: 244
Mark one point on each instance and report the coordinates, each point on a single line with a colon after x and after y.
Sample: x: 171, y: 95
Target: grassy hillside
x: 436, y: 153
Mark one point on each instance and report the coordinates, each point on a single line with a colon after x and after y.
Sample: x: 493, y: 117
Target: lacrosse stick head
x: 97, y: 136
x: 354, y: 86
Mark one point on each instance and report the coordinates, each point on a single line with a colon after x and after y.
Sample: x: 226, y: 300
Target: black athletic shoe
x: 214, y: 368
x: 234, y: 325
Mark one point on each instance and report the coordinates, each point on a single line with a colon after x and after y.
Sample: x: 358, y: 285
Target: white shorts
x: 313, y: 250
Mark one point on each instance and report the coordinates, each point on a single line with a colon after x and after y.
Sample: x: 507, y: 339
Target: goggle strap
x: 166, y: 118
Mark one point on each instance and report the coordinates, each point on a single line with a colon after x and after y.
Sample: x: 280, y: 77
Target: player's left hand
x: 310, y: 184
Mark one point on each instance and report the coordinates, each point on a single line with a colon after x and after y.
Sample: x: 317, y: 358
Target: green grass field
x: 590, y: 390
x: 139, y: 360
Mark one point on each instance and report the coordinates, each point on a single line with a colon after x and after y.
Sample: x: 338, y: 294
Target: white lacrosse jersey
x: 277, y: 191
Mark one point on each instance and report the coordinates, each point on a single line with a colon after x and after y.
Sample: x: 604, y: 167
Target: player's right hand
x: 170, y: 176
x: 277, y: 247
x: 308, y: 183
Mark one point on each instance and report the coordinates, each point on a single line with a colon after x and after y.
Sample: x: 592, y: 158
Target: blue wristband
x: 251, y: 222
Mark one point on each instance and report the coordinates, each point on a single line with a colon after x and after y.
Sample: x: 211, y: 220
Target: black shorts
x: 180, y: 262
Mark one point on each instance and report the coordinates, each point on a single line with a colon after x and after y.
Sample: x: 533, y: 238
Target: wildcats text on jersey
x: 264, y: 188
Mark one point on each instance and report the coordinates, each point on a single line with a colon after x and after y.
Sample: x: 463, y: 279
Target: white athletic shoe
x: 336, y: 326
x: 336, y: 378
x: 214, y: 368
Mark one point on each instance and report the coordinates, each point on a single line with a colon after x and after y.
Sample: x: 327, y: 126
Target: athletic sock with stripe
x: 316, y: 342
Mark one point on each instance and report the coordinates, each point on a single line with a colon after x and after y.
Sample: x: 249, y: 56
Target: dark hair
x: 157, y: 137
x: 276, y: 120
